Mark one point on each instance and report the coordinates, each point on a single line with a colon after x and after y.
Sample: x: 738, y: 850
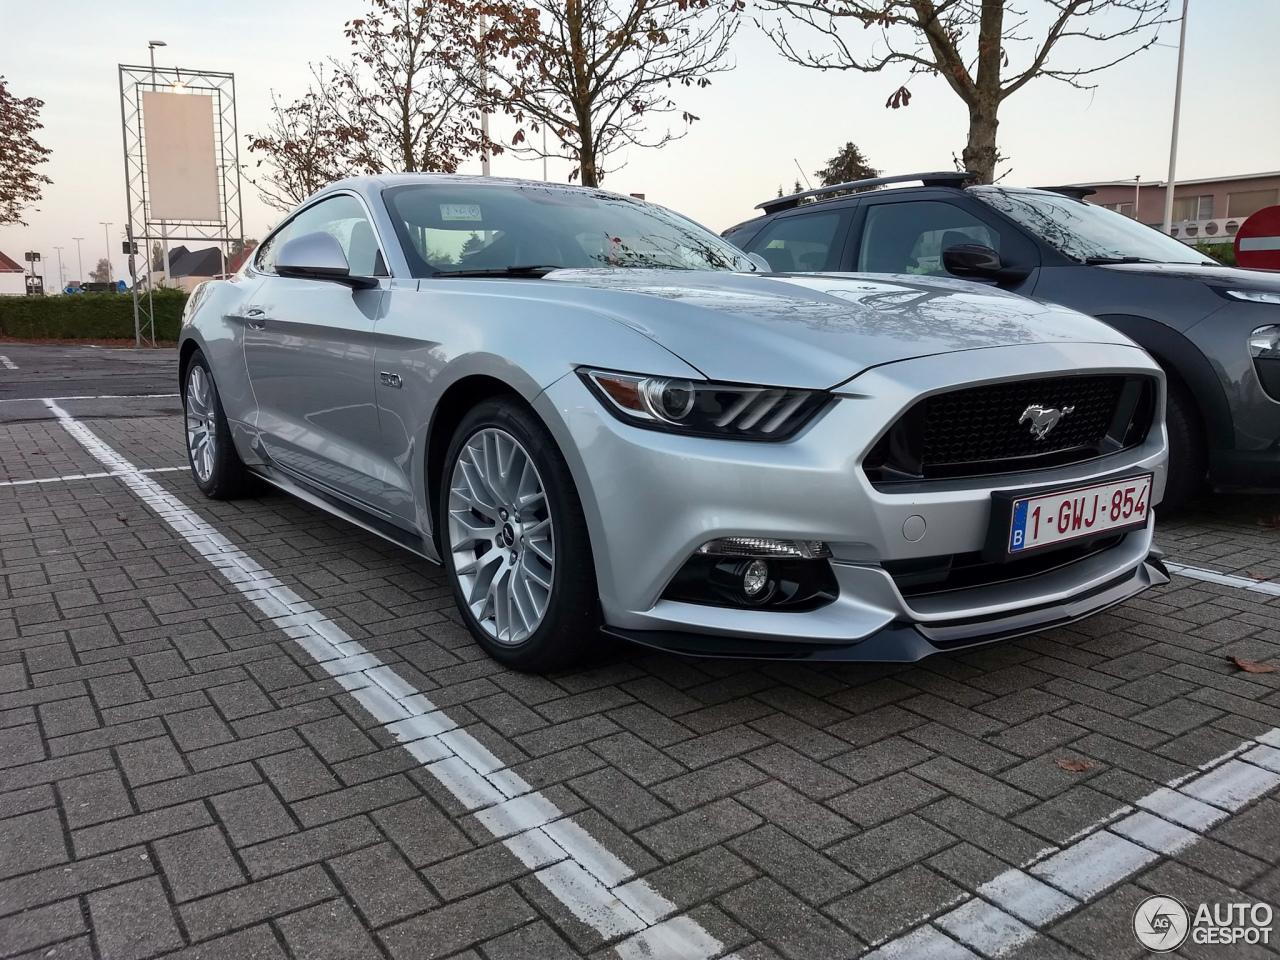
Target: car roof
x: 853, y: 189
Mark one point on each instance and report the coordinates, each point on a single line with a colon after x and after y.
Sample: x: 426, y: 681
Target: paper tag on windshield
x: 460, y: 211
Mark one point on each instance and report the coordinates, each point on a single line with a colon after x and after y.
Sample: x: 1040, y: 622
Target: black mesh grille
x: 984, y: 430
x: 973, y: 426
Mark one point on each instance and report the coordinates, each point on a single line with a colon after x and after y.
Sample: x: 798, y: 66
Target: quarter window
x: 800, y: 244
x: 343, y: 218
x: 911, y: 237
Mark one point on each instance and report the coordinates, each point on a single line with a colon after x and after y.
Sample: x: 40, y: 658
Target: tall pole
x: 80, y: 260
x: 1177, y: 113
x: 484, y: 114
x: 106, y: 235
x: 62, y: 281
x: 1137, y: 194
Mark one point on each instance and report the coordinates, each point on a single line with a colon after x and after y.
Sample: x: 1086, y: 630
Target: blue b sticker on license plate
x: 1070, y: 514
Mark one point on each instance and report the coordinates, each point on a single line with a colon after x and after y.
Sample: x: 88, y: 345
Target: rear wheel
x: 1188, y: 450
x: 514, y: 541
x: 215, y: 465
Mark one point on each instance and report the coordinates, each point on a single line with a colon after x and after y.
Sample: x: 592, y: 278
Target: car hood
x: 817, y: 330
x: 1217, y: 274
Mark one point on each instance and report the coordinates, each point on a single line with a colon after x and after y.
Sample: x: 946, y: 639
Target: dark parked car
x: 1214, y: 329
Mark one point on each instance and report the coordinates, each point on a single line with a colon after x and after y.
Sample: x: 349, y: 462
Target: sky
x: 758, y: 121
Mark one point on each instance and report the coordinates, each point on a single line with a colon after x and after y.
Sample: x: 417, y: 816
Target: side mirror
x: 762, y: 265
x: 974, y: 261
x: 318, y: 256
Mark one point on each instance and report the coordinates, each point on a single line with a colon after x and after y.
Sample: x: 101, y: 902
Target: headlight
x: 1265, y: 342
x: 1254, y: 296
x: 701, y: 408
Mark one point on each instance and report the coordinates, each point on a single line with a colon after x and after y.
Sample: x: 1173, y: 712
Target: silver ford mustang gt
x: 599, y: 416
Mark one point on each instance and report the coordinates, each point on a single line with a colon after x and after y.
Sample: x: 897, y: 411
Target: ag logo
x: 1161, y: 924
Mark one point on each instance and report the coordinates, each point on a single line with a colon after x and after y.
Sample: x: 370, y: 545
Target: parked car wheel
x: 1188, y: 453
x: 515, y: 542
x: 215, y: 465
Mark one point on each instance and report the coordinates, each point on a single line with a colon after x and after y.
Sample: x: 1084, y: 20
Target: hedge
x: 87, y: 316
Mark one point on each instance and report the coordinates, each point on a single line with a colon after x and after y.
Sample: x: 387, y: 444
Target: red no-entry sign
x: 1258, y: 240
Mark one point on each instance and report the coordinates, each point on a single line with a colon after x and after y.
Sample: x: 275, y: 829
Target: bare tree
x: 303, y: 148
x: 594, y: 72
x: 20, y: 153
x: 402, y: 101
x: 986, y: 50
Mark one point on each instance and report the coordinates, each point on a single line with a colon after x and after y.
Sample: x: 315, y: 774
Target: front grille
x: 982, y: 430
x: 928, y: 576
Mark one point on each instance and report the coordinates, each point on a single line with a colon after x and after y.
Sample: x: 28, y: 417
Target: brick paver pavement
x: 178, y: 777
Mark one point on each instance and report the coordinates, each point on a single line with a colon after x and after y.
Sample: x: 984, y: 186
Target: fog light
x: 755, y: 578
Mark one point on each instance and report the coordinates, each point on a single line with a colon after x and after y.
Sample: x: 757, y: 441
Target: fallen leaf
x: 122, y: 518
x: 1074, y: 766
x: 1256, y: 576
x: 1249, y: 666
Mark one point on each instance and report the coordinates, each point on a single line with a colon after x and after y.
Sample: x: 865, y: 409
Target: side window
x: 800, y: 244
x: 909, y: 237
x: 342, y: 217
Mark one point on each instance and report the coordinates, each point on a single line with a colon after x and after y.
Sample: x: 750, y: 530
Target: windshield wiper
x: 531, y: 270
x: 1095, y: 261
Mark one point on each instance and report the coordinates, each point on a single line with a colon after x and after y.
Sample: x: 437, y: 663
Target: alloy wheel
x: 500, y: 535
x: 202, y: 435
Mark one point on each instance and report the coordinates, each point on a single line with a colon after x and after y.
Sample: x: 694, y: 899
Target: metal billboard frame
x: 140, y: 228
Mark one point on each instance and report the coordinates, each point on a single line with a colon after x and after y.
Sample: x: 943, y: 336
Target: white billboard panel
x: 182, y: 163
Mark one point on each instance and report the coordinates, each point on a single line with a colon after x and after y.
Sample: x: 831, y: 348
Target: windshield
x: 478, y: 228
x: 1086, y: 232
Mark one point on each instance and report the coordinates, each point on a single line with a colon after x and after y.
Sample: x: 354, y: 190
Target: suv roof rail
x: 1075, y: 193
x: 945, y: 178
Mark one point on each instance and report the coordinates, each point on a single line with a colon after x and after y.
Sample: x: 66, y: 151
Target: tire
x: 1188, y: 450
x: 211, y: 453
x: 502, y: 542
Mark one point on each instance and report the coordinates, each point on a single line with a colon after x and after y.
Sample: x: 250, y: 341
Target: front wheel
x: 514, y: 541
x: 1188, y: 453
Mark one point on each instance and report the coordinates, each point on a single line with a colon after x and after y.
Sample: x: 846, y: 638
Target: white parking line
x: 83, y: 476
x: 1226, y: 579
x: 597, y: 887
x: 104, y: 396
x: 8, y: 364
x: 1006, y: 911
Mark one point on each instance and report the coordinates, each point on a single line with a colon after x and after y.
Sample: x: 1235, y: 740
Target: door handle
x: 390, y: 379
x: 255, y: 317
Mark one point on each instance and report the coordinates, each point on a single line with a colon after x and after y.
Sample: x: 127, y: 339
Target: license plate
x: 1070, y: 514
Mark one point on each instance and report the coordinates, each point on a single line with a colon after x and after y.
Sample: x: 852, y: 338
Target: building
x: 13, y: 278
x: 1203, y: 210
x: 190, y: 268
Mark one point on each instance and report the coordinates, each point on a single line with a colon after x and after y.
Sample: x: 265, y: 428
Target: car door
x: 309, y: 352
x: 806, y: 241
x: 908, y: 236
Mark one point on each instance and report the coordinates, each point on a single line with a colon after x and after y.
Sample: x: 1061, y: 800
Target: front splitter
x: 902, y: 642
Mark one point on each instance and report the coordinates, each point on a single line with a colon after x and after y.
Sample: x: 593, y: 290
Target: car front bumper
x: 652, y: 498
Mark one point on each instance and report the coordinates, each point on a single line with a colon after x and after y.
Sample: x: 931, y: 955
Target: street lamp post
x: 106, y: 235
x: 62, y: 281
x: 151, y: 49
x: 1177, y: 113
x: 80, y: 260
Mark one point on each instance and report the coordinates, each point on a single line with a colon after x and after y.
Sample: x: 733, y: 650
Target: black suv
x: 1214, y: 329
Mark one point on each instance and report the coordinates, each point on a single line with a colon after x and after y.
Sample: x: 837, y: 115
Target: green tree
x: 846, y: 166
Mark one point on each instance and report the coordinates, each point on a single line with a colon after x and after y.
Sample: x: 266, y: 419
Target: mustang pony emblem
x: 1043, y: 419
